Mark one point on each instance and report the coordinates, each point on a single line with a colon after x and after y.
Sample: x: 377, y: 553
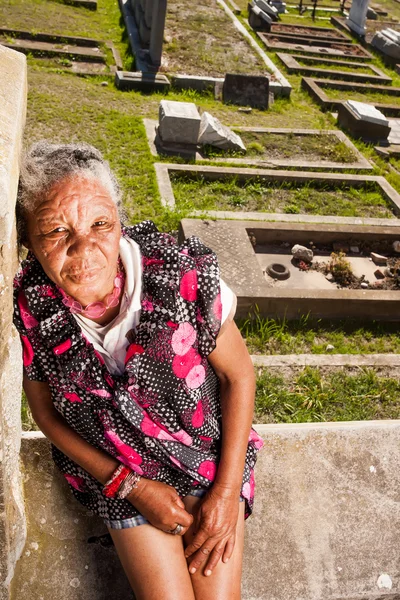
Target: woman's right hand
x: 160, y: 504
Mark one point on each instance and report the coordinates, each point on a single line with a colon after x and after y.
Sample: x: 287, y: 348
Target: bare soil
x: 201, y: 39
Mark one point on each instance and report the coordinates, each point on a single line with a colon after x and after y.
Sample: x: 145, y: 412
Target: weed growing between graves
x: 266, y: 146
x: 306, y: 336
x: 315, y: 395
x: 198, y: 193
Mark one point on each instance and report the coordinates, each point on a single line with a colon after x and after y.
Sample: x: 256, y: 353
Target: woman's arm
x: 157, y: 502
x: 217, y: 518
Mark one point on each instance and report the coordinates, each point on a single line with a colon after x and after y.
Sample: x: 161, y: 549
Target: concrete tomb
x: 387, y: 41
x: 358, y: 16
x: 268, y: 9
x: 179, y: 122
x: 246, y: 248
x: 363, y: 121
x: 246, y: 90
x: 258, y: 19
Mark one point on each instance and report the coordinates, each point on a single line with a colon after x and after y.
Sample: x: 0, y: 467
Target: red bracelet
x: 111, y: 488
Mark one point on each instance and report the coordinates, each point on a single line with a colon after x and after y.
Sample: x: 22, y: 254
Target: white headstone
x: 367, y: 112
x: 357, y: 16
x: 267, y: 8
x: 212, y: 132
x: 386, y: 45
x: 179, y: 122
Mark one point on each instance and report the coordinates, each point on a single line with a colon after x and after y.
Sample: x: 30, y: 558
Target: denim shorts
x: 140, y: 520
x: 199, y: 492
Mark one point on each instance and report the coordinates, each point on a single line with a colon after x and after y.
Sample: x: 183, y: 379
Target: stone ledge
x: 326, y: 360
x: 325, y: 524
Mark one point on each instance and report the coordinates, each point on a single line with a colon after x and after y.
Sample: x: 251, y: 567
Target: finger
x: 181, y: 531
x: 215, y: 557
x: 230, y: 545
x: 200, y: 557
x: 178, y: 501
x: 181, y: 516
x: 197, y: 542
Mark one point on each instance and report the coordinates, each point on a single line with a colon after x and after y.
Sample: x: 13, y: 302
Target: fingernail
x: 192, y: 570
x: 208, y: 573
x: 225, y: 560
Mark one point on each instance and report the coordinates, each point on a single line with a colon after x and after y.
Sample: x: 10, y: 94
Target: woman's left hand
x: 214, y: 529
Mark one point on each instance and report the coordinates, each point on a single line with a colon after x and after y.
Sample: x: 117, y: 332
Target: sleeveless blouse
x: 162, y: 415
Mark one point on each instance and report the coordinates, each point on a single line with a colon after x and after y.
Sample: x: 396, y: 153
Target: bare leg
x: 224, y: 583
x: 154, y: 563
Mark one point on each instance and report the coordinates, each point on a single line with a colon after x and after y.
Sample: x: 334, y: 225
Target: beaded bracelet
x: 130, y: 483
x: 121, y: 483
x: 111, y: 488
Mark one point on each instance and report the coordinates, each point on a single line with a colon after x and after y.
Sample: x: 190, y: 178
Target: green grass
x: 367, y: 96
x: 197, y: 193
x: 304, y: 336
x: 313, y: 396
x: 360, y: 69
x: 202, y: 40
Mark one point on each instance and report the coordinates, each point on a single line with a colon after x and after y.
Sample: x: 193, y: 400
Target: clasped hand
x: 214, y: 524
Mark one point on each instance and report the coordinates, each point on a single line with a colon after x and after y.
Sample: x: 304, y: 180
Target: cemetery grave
x: 214, y: 191
x: 78, y: 54
x: 334, y: 69
x: 277, y: 267
x: 314, y: 48
x: 272, y: 147
x: 329, y: 94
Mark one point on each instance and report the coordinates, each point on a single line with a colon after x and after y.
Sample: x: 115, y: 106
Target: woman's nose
x: 80, y: 245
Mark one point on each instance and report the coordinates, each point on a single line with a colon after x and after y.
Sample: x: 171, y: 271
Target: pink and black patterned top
x: 162, y: 416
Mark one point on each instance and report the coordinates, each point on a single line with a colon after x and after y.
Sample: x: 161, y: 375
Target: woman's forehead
x: 77, y: 194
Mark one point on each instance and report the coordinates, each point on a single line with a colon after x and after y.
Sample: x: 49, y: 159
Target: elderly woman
x: 136, y: 373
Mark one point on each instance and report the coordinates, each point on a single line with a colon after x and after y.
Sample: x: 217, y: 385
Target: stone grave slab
x: 179, y: 122
x: 355, y: 51
x: 293, y: 65
x: 360, y: 162
x: 246, y: 90
x: 243, y: 248
x: 334, y: 180
x: 315, y: 87
x: 85, y: 54
x: 308, y: 39
x: 90, y: 4
x: 145, y: 82
x: 310, y: 32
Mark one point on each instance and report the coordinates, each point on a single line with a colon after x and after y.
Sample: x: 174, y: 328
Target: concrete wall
x: 326, y: 524
x: 13, y: 88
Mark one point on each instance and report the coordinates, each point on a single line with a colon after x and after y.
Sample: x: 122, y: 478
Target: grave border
x: 280, y: 87
x: 309, y: 40
x: 325, y: 360
x: 340, y: 34
x: 314, y: 50
x: 271, y: 301
x: 163, y: 171
x: 293, y: 66
x: 361, y: 163
x: 315, y: 87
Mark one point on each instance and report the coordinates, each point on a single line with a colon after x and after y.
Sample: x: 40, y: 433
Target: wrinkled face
x: 74, y: 233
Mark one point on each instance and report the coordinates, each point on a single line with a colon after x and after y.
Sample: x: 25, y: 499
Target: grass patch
x: 371, y: 97
x: 202, y: 40
x: 313, y: 396
x: 266, y: 146
x: 193, y: 193
x: 304, y: 336
x: 359, y: 69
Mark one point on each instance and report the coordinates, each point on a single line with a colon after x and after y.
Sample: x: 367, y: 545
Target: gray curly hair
x: 45, y: 164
